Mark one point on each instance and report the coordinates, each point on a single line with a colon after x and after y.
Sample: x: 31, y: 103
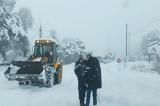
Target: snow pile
x: 120, y: 88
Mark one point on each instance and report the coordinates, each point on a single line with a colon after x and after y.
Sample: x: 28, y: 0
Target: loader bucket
x: 28, y: 67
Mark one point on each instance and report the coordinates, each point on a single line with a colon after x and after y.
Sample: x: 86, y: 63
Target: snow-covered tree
x: 26, y: 18
x: 70, y: 49
x: 107, y: 58
x: 7, y: 6
x: 53, y: 34
x: 12, y: 35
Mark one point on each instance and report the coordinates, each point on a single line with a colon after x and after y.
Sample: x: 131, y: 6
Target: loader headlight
x: 37, y: 41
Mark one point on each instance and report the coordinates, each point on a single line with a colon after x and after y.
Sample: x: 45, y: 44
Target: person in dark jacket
x: 79, y: 71
x: 92, y: 78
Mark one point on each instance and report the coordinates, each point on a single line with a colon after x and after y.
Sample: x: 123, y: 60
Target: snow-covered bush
x: 156, y: 65
x: 107, y: 58
x: 155, y: 61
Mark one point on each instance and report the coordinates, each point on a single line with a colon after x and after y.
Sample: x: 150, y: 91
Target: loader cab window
x: 38, y: 50
x: 54, y: 53
x: 45, y: 50
x: 42, y: 50
x: 54, y: 49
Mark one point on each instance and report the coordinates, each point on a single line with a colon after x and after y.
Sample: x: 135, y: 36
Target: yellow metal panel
x: 56, y: 65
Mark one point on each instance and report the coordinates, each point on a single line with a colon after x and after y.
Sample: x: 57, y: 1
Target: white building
x: 154, y: 51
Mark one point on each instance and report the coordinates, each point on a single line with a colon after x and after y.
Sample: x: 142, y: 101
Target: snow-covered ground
x: 121, y: 87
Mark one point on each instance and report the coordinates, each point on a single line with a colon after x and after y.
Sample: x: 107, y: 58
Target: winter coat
x: 93, y: 73
x: 79, y: 71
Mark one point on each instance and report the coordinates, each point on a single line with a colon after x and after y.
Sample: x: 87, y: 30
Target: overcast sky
x: 99, y: 23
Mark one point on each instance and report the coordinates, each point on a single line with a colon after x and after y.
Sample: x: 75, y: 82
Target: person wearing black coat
x: 92, y: 78
x: 79, y: 71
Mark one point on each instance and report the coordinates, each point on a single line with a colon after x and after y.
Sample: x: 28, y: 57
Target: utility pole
x: 40, y: 32
x: 126, y: 60
x: 129, y: 45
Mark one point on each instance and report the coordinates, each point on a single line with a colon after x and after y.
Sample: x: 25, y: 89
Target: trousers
x: 94, y: 94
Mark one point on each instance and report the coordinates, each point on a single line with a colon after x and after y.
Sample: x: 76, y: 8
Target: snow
x: 129, y: 87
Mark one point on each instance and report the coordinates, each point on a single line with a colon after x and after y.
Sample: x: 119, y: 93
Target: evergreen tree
x: 12, y: 34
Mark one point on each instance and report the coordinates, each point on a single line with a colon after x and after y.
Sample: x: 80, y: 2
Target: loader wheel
x: 55, y: 78
x: 50, y: 83
x: 50, y: 77
x: 59, y: 75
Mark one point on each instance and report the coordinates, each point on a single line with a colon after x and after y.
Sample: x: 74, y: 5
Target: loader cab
x: 45, y: 48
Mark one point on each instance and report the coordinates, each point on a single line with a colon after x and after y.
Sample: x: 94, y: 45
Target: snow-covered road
x: 120, y: 88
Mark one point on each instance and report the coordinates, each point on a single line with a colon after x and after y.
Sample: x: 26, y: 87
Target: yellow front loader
x: 43, y: 67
